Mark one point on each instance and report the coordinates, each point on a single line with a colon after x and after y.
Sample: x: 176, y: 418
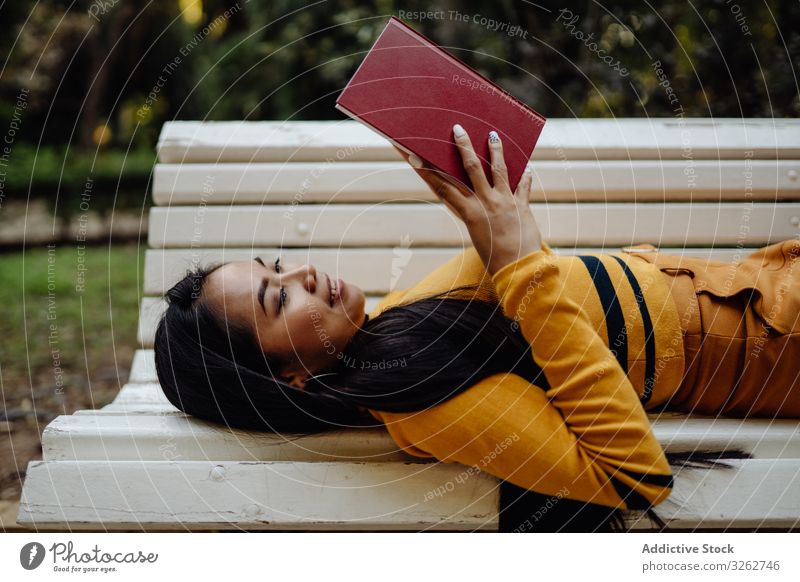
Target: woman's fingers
x: 444, y: 190
x: 452, y: 193
x: 499, y: 171
x: 472, y: 165
x: 524, y: 187
x: 459, y: 212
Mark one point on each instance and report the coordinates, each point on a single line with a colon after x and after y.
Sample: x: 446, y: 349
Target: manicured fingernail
x: 414, y: 161
x: 493, y: 137
x: 458, y: 131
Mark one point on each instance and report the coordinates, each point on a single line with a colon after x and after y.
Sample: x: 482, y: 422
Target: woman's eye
x: 281, y: 297
x: 282, y: 292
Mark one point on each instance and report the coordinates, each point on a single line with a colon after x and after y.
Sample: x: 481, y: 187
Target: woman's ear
x: 297, y: 379
x: 292, y: 373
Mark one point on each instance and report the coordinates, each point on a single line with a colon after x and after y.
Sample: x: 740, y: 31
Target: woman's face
x: 299, y: 325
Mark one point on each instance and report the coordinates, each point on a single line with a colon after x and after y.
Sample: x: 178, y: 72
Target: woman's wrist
x: 502, y: 255
x: 513, y: 265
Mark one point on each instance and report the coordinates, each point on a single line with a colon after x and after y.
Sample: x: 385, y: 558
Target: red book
x: 412, y: 92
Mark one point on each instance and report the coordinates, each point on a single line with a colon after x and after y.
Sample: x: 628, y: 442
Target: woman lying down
x: 559, y: 358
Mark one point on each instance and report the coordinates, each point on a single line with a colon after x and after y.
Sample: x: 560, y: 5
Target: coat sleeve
x: 586, y: 437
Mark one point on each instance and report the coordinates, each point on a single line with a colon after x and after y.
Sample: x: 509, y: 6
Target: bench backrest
x: 337, y: 195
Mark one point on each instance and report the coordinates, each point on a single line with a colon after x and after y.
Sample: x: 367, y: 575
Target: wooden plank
x: 130, y: 409
x: 554, y: 181
x: 152, y: 308
x: 761, y: 437
x: 133, y: 395
x: 93, y: 436
x: 562, y: 139
x: 760, y: 493
x: 143, y: 367
x: 150, y: 311
x: 98, y: 437
x: 755, y: 493
x: 356, y: 225
x: 375, y: 270
x: 255, y: 495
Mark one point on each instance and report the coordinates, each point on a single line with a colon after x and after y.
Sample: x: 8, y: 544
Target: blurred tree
x: 101, y: 42
x: 101, y: 70
x: 82, y: 64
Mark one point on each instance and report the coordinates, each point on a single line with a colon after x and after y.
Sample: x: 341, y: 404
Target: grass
x: 49, y: 321
x: 64, y: 347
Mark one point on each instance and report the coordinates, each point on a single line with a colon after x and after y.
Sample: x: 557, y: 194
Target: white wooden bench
x: 337, y: 195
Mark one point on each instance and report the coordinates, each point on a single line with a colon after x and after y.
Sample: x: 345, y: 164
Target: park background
x: 85, y: 88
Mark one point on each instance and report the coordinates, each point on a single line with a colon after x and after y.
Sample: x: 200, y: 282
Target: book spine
x: 452, y: 179
x: 355, y: 117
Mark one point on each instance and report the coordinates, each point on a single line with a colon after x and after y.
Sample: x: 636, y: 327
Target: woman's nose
x: 306, y: 274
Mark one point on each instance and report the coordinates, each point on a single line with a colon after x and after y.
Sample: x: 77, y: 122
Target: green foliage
x: 722, y: 59
x: 118, y: 178
x: 281, y: 59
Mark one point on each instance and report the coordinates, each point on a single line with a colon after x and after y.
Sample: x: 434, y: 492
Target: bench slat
x: 561, y: 139
x: 754, y: 493
x: 98, y: 437
x: 322, y: 182
x: 133, y: 395
x: 143, y: 367
x: 150, y: 311
x: 355, y: 225
x: 359, y: 496
x: 376, y: 270
x: 263, y: 496
x: 130, y: 409
x: 102, y: 436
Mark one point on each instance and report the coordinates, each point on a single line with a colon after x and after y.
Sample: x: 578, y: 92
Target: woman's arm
x: 587, y: 432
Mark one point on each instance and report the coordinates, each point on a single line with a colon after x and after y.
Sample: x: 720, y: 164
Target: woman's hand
x: 500, y: 223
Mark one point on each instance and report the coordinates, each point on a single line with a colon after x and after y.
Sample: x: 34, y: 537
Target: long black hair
x: 413, y: 356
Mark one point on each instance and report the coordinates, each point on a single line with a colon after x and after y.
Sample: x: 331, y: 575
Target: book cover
x: 412, y: 92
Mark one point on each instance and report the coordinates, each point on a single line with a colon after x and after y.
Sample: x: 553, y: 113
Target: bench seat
x: 250, y: 479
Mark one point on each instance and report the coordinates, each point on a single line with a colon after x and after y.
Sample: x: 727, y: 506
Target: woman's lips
x: 330, y: 290
x: 339, y: 291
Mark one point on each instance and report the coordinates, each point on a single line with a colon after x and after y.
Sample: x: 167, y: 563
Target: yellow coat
x: 587, y: 437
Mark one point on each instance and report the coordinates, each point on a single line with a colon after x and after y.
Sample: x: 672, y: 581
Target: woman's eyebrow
x: 262, y: 289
